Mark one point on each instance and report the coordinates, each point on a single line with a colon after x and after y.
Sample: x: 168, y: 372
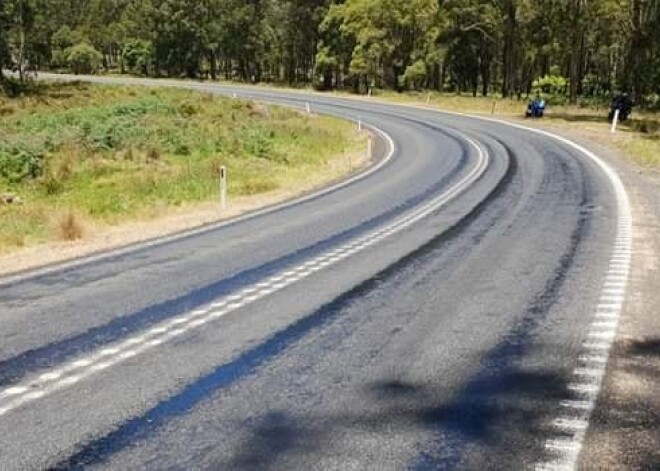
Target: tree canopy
x: 576, y: 48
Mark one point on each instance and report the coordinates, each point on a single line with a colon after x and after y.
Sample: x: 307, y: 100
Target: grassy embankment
x: 81, y: 156
x: 638, y: 138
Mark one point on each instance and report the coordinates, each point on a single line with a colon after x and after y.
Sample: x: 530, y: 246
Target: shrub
x: 415, y: 74
x: 257, y: 142
x: 137, y: 55
x: 83, y: 58
x: 551, y: 84
x: 19, y: 164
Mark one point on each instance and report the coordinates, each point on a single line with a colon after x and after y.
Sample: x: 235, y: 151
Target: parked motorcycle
x: 624, y: 104
x: 535, y: 109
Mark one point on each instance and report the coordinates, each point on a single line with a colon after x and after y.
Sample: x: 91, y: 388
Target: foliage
x: 83, y: 58
x: 550, y: 84
x: 475, y: 46
x: 137, y: 55
x: 110, y: 153
x: 19, y: 163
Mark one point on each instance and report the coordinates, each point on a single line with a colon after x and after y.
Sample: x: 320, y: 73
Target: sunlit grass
x: 103, y: 154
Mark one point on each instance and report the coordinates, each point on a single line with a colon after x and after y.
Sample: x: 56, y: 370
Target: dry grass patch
x: 69, y: 227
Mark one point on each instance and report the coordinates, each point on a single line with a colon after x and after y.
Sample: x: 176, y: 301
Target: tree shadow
x: 272, y: 435
x: 493, y: 415
x: 645, y: 347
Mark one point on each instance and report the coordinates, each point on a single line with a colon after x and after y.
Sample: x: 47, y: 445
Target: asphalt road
x: 430, y: 315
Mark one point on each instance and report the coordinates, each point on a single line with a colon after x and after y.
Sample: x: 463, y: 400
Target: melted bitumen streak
x: 475, y: 415
x: 17, y: 367
x: 140, y: 428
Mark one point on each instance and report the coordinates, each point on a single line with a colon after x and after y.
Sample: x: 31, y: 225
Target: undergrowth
x: 108, y: 154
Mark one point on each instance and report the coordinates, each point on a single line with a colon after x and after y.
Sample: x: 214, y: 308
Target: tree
x: 475, y: 46
x: 83, y: 58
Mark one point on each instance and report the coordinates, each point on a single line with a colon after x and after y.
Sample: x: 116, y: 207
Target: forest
x: 570, y: 50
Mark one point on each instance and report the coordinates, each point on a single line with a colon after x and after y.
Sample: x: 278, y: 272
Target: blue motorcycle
x: 535, y: 109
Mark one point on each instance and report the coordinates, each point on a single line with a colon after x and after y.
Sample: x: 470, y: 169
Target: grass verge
x: 83, y: 156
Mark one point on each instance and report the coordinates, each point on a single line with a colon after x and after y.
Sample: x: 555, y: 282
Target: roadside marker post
x: 223, y: 187
x: 370, y: 146
x: 615, y: 121
x: 309, y: 108
x: 235, y: 95
x: 359, y: 124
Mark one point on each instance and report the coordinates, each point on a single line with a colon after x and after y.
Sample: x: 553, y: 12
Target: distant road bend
x: 453, y: 308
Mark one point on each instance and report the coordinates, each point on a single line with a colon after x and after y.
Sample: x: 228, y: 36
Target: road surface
x: 451, y: 309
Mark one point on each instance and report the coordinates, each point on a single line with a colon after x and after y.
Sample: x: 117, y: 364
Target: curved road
x: 433, y: 314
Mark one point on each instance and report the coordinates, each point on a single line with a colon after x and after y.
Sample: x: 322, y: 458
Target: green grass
x: 112, y: 154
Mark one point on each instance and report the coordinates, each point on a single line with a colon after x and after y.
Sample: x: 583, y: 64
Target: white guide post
x: 370, y: 146
x: 309, y: 108
x: 223, y: 187
x: 359, y: 124
x: 615, y: 121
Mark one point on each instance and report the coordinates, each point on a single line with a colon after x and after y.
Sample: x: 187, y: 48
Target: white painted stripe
x: 615, y: 284
x: 584, y: 388
x: 609, y: 335
x: 70, y: 380
x: 554, y: 466
x: 13, y: 391
x: 571, y: 424
x: 50, y: 376
x: 85, y: 361
x: 594, y: 345
x: 609, y: 305
x: 561, y: 445
x: 579, y: 405
x: 102, y: 366
x: 612, y: 324
x: 593, y: 372
x: 620, y: 278
x: 109, y: 351
x: 613, y: 291
x: 602, y: 359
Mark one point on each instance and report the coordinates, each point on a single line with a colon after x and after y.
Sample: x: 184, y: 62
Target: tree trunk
x: 21, y: 47
x: 214, y: 65
x: 576, y: 52
x: 509, y: 48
